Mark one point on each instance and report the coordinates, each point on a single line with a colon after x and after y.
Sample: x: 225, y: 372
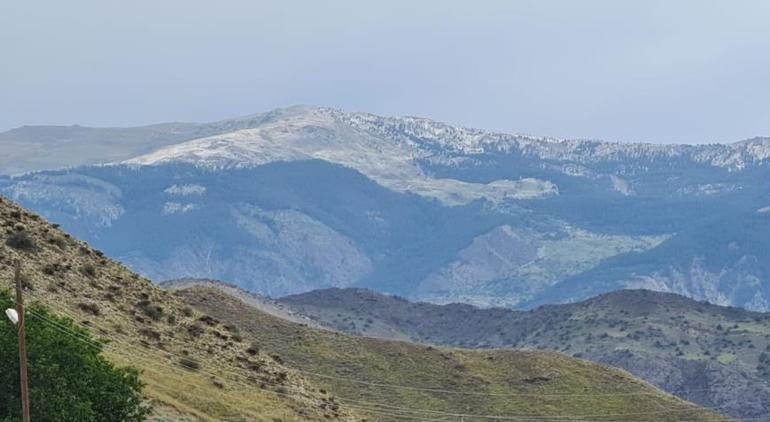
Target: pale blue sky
x: 657, y: 71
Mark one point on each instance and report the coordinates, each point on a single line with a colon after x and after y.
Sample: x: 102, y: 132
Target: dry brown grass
x: 149, y: 328
x: 503, y: 383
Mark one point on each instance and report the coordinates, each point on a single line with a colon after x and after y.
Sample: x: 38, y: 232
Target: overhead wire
x: 431, y: 412
x: 375, y: 406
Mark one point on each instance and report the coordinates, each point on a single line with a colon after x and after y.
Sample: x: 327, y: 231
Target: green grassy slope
x: 712, y: 355
x: 411, y: 380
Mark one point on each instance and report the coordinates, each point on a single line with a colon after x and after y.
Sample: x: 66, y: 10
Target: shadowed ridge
x: 444, y: 382
x: 709, y: 354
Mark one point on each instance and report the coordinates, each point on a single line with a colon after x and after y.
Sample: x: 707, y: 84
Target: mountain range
x: 238, y: 363
x: 717, y: 357
x: 307, y: 197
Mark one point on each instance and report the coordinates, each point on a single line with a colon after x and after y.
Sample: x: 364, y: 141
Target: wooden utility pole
x: 22, y: 343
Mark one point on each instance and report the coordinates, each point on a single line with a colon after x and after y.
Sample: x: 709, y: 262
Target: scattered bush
x: 150, y: 333
x: 88, y: 270
x: 58, y: 241
x: 195, y: 330
x: 208, y: 320
x: 21, y: 240
x: 91, y: 308
x: 52, y: 268
x: 189, y: 364
x: 155, y: 312
x: 253, y: 349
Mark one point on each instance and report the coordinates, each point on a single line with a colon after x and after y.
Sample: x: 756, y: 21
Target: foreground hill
x: 423, y: 382
x: 712, y: 355
x: 195, y: 367
x: 309, y: 197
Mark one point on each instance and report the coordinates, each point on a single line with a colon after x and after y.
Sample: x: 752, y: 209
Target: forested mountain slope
x: 310, y: 197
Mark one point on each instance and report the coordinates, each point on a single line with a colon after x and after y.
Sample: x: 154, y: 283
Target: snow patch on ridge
x: 87, y: 198
x: 621, y: 186
x: 389, y: 149
x: 177, y: 208
x: 319, y: 134
x: 185, y: 190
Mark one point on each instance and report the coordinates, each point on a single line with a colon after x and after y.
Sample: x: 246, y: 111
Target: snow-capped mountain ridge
x: 470, y: 141
x: 389, y: 150
x: 422, y: 138
x: 329, y: 135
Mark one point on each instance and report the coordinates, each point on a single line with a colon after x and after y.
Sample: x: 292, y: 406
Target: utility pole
x: 22, y: 343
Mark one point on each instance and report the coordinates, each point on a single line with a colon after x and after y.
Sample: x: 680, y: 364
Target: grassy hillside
x: 712, y: 355
x: 425, y: 382
x: 195, y: 367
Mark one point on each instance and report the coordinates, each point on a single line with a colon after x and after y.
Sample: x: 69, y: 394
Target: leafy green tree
x: 69, y: 379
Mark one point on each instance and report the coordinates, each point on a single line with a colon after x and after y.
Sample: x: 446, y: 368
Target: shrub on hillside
x: 21, y: 240
x: 89, y: 307
x: 195, y: 330
x: 253, y: 349
x: 155, y: 312
x: 189, y: 363
x: 58, y: 241
x: 69, y: 378
x: 88, y: 270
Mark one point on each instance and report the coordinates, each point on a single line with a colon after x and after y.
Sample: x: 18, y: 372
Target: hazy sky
x: 668, y: 71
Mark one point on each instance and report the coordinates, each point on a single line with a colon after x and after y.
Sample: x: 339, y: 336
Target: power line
x: 472, y: 415
x: 80, y: 337
x: 477, y: 393
x: 691, y: 409
x: 153, y: 359
x: 495, y: 417
x: 133, y: 358
x: 472, y: 393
